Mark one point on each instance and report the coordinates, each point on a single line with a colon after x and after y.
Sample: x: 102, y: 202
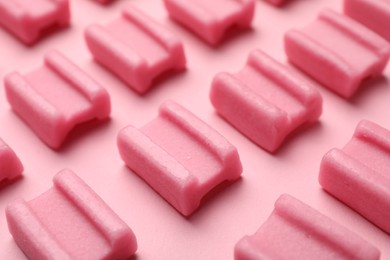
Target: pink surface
x: 265, y: 100
x: 296, y: 231
x: 56, y: 97
x: 234, y: 211
x: 358, y: 174
x: 10, y: 165
x: 338, y: 52
x: 179, y: 156
x: 69, y: 221
x: 28, y: 20
x: 277, y: 2
x: 135, y: 48
x: 373, y: 14
x: 211, y: 19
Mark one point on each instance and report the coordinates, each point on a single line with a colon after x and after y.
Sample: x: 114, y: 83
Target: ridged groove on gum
x: 276, y: 2
x: 265, y: 100
x: 10, y: 165
x: 211, y: 19
x: 139, y: 62
x: 34, y: 97
x: 47, y: 226
x: 338, y: 52
x: 358, y: 174
x: 179, y: 156
x: 104, y: 1
x: 373, y: 14
x: 302, y: 233
x: 28, y: 22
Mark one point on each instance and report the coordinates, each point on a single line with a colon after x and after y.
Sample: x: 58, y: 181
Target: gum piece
x: 69, y: 221
x: 358, y: 174
x: 338, y: 52
x: 296, y: 231
x: 265, y: 101
x: 29, y: 19
x: 373, y: 14
x: 56, y: 97
x: 10, y: 165
x: 179, y: 156
x: 137, y: 63
x: 211, y: 19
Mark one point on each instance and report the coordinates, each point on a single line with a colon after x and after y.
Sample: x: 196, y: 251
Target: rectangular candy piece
x: 56, y: 97
x: 338, y: 52
x: 136, y: 62
x: 265, y: 100
x: 179, y: 156
x: 69, y: 221
x: 28, y: 19
x: 211, y: 19
x: 10, y: 165
x: 375, y: 14
x: 296, y: 231
x: 359, y: 174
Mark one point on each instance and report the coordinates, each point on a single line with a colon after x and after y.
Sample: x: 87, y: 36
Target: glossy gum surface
x: 338, y: 52
x: 296, y: 231
x: 136, y: 62
x: 29, y: 19
x: 265, y: 100
x: 211, y: 19
x: 69, y: 221
x: 179, y: 156
x: 358, y: 174
x: 10, y: 165
x: 237, y: 210
x: 56, y: 97
x: 373, y: 14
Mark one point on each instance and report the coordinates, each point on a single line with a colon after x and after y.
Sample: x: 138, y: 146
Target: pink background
x: 237, y: 210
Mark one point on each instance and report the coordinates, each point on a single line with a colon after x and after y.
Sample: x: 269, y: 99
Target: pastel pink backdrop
x: 232, y: 212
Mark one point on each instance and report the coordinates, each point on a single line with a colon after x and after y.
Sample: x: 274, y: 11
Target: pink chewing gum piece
x: 137, y: 63
x: 69, y: 221
x: 373, y: 14
x: 296, y: 231
x: 179, y: 156
x: 28, y: 19
x: 265, y: 100
x: 10, y: 165
x: 359, y: 174
x: 56, y: 97
x: 338, y: 52
x: 211, y: 19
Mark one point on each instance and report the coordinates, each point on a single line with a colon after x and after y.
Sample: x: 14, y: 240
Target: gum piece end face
x: 10, y: 165
x: 69, y: 221
x: 179, y: 156
x: 56, y: 97
x: 338, y: 52
x: 29, y: 19
x: 373, y: 14
x: 211, y: 19
x: 139, y: 62
x: 296, y: 231
x: 358, y: 174
x: 265, y: 100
